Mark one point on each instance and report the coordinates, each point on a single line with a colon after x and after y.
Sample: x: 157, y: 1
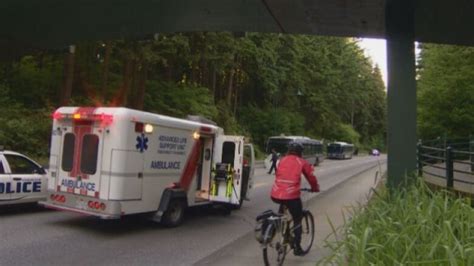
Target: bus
x: 313, y: 149
x: 340, y: 150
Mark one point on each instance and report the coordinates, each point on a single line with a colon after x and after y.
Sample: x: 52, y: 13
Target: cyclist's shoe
x: 298, y: 251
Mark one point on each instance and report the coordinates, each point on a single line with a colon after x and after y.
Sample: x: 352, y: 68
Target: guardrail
x: 448, y: 163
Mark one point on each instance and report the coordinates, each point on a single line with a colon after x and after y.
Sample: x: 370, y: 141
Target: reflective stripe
x: 299, y: 161
x: 286, y: 181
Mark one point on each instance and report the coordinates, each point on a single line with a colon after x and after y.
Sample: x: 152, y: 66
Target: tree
x: 446, y: 91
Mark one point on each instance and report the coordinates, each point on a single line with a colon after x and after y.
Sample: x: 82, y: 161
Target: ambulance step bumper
x: 83, y: 212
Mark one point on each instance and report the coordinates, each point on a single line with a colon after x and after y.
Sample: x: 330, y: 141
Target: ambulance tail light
x: 96, y: 205
x: 58, y: 198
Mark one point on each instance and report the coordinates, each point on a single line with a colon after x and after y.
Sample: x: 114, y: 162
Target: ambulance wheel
x: 174, y: 215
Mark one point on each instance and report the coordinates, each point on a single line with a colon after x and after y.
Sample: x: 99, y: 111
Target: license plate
x: 81, y: 205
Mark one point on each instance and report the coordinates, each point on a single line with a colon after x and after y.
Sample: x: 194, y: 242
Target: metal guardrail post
x: 449, y: 167
x: 471, y: 150
x: 419, y: 158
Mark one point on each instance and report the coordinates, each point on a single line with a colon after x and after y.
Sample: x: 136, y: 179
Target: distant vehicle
x: 22, y: 180
x: 375, y: 152
x: 111, y: 162
x: 313, y: 149
x: 340, y: 150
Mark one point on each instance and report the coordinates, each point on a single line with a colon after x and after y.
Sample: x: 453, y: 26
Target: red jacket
x: 288, y: 177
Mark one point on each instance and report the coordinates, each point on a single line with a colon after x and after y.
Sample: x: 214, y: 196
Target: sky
x: 376, y: 49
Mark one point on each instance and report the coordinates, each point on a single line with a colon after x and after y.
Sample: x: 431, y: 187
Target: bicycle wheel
x: 274, y: 249
x: 307, y: 236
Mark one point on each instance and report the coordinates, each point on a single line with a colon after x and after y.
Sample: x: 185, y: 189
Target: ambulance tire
x: 174, y: 214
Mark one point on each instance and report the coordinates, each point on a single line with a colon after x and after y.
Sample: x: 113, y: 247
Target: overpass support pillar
x: 401, y: 91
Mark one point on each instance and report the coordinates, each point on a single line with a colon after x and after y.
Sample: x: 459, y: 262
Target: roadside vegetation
x: 445, y: 91
x: 411, y: 226
x: 253, y: 84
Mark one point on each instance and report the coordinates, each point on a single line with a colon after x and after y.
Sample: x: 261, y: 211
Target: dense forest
x: 446, y: 91
x: 253, y: 84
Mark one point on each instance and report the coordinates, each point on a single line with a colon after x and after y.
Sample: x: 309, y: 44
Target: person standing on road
x: 287, y: 186
x: 274, y: 160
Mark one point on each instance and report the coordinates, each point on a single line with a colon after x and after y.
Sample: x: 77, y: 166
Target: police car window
x: 90, y: 146
x: 2, y: 171
x: 68, y: 152
x: 21, y: 165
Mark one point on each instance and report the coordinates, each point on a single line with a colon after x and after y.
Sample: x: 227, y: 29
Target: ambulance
x: 110, y: 162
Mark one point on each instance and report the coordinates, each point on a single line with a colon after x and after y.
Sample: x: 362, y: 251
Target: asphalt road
x: 31, y: 235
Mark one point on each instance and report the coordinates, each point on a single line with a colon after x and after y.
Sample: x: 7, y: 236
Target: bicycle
x: 275, y: 233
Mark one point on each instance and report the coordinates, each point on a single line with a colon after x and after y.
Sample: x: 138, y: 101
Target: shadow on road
x: 21, y: 209
x: 135, y: 224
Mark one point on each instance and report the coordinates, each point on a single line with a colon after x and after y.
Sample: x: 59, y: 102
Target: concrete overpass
x: 30, y: 24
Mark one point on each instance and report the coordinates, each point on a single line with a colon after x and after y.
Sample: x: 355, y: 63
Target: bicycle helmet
x: 295, y: 148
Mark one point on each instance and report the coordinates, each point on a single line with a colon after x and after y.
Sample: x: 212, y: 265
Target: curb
x: 349, y: 178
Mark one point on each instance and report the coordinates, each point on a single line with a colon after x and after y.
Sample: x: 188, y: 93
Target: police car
x: 22, y: 180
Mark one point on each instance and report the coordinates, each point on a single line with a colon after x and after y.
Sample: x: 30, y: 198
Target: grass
x: 415, y: 226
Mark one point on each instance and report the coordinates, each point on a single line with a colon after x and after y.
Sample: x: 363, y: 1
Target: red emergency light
x: 206, y: 129
x: 57, y: 116
x: 104, y: 119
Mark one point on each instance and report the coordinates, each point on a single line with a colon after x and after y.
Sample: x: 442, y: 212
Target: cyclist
x: 287, y: 185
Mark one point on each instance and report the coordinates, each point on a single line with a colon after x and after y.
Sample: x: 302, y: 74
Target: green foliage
x: 179, y: 100
x: 344, y: 132
x: 446, y: 91
x: 258, y: 85
x: 273, y: 122
x: 408, y: 227
x: 24, y: 129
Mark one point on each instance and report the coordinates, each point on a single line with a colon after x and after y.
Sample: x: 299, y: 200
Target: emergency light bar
x: 103, y: 118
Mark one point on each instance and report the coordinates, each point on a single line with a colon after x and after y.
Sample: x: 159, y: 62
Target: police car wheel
x: 174, y: 215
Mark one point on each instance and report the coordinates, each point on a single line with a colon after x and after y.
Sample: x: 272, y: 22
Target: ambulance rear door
x: 226, y: 182
x: 248, y: 170
x: 79, y: 171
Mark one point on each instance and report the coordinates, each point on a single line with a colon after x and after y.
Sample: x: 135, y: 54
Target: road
x: 32, y: 235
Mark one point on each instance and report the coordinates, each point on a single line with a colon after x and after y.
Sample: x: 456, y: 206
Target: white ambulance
x: 109, y: 162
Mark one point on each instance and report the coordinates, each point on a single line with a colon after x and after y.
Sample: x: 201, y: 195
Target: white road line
x: 259, y: 185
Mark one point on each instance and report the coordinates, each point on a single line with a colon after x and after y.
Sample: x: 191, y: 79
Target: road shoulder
x: 334, y: 204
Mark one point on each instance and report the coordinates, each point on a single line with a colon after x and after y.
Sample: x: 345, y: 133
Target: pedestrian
x: 274, y: 160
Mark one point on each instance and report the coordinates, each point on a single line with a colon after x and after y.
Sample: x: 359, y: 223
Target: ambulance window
x: 21, y: 165
x: 90, y: 146
x: 68, y: 152
x: 228, y: 152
